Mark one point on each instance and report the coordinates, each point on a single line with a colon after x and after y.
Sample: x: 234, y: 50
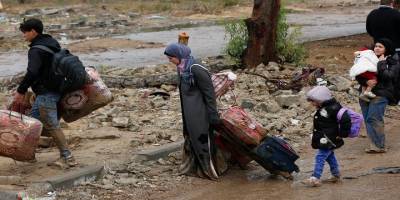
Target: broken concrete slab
x: 341, y: 83
x: 288, y: 100
x: 8, y: 195
x: 67, y: 180
x: 77, y: 177
x: 159, y: 152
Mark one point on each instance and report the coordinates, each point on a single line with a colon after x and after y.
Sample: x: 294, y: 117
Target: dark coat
x: 325, y: 122
x: 384, y: 22
x: 388, y: 77
x: 199, y: 112
x: 38, y: 75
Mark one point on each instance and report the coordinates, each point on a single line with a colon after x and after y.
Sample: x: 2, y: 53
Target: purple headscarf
x: 183, y: 53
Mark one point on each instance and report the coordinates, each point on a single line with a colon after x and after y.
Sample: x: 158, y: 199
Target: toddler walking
x: 326, y: 136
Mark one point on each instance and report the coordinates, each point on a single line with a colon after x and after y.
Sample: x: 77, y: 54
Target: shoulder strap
x: 44, y: 48
x: 340, y: 114
x: 190, y: 68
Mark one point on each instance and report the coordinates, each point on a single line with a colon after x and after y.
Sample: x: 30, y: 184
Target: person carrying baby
x: 365, y: 66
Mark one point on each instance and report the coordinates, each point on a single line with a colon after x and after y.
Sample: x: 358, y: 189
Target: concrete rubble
x: 153, y: 115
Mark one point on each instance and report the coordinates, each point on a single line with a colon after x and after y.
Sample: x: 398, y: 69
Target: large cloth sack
x: 19, y: 135
x: 278, y: 154
x: 92, y: 96
x: 25, y: 106
x: 222, y: 82
x: 239, y: 124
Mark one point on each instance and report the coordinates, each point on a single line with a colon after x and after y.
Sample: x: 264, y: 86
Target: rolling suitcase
x: 273, y: 154
x: 278, y: 153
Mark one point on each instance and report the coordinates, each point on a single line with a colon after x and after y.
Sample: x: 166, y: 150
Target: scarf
x: 183, y: 53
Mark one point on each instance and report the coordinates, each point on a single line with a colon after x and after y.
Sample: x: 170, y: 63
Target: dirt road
x: 257, y: 184
x: 205, y: 41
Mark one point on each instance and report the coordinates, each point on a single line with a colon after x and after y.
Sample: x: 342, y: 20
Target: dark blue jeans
x: 373, y: 113
x: 328, y: 156
x: 45, y: 110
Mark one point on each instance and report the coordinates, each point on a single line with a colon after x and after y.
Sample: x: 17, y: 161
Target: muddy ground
x: 156, y: 120
x: 138, y: 120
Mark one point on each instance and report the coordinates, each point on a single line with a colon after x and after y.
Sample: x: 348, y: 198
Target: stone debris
x: 151, y: 116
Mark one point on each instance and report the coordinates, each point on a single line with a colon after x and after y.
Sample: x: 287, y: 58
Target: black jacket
x: 326, y: 123
x: 38, y: 75
x: 388, y: 77
x: 384, y: 22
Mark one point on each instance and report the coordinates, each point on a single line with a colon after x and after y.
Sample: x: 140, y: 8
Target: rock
x: 127, y: 181
x: 108, y: 187
x: 135, y: 143
x: 55, y: 26
x: 271, y: 106
x: 295, y: 122
x: 277, y: 125
x: 341, y: 83
x: 92, y: 125
x: 106, y: 124
x: 287, y: 100
x: 102, y: 118
x: 168, y: 88
x: 158, y: 102
x: 163, y: 135
x: 112, y: 112
x: 161, y: 161
x: 174, y: 138
x: 100, y: 24
x: 247, y: 104
x: 120, y: 122
x: 133, y: 15
x: 33, y: 12
x: 134, y: 128
x: 273, y: 66
x: 152, y: 138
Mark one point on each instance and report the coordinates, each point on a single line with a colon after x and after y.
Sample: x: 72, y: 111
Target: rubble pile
x: 152, y: 116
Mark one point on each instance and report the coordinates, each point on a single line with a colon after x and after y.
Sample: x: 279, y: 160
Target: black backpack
x: 68, y: 67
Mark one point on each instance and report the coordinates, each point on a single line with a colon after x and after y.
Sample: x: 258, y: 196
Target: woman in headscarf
x: 373, y: 110
x: 199, y: 113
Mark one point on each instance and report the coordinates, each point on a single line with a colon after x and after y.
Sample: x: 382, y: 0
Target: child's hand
x: 356, y: 53
x: 338, y: 138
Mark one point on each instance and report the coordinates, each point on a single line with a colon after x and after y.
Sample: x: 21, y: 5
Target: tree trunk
x: 262, y: 27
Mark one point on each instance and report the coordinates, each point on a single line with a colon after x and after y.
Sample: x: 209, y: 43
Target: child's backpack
x: 68, y: 67
x: 356, y: 121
